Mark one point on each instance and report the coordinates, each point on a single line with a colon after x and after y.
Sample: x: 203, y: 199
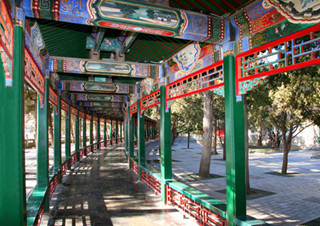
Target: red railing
x: 150, y: 100
x: 151, y: 181
x: 134, y: 166
x: 200, y: 213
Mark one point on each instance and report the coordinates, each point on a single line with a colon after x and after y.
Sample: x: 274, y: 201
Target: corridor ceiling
x: 70, y: 40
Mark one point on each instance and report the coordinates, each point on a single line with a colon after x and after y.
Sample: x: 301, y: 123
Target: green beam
x: 141, y: 140
x: 84, y: 134
x: 12, y: 162
x: 67, y: 135
x: 57, y: 137
x: 43, y: 139
x: 165, y: 141
x: 235, y: 154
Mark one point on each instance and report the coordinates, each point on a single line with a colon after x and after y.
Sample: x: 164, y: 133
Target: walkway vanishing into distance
x: 102, y: 190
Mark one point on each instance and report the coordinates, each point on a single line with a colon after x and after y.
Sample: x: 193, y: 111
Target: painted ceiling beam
x: 98, y: 78
x: 76, y: 86
x: 130, y: 16
x: 100, y: 97
x: 98, y: 40
x: 126, y: 42
x: 103, y: 104
x: 99, y: 67
x: 107, y: 44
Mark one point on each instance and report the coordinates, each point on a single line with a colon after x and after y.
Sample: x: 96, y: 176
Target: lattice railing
x: 151, y: 181
x: 150, y: 100
x: 301, y: 49
x: 133, y: 108
x: 208, y: 78
x: 200, y: 213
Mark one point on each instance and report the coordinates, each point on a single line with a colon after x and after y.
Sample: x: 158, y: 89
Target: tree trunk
x: 214, y: 137
x: 204, y: 170
x: 222, y: 142
x: 246, y: 143
x: 286, y: 148
x: 188, y: 145
x: 259, y: 142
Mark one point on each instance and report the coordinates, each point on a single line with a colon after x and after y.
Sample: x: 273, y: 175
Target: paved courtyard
x: 293, y: 200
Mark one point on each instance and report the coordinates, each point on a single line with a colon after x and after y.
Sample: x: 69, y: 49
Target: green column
x: 84, y: 134
x: 105, y: 132
x: 130, y: 139
x: 120, y: 125
x: 12, y: 163
x: 43, y: 139
x: 91, y: 131
x: 116, y: 132
x: 111, y: 132
x: 67, y: 134
x: 77, y: 133
x: 235, y: 155
x: 141, y: 140
x: 126, y: 131
x: 98, y: 132
x: 57, y: 137
x: 165, y: 141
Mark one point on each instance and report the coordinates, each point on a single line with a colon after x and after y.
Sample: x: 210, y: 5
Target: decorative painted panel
x: 33, y: 74
x: 296, y: 11
x: 73, y: 111
x: 6, y: 42
x: 191, y: 59
x: 95, y: 87
x: 80, y: 66
x: 131, y: 16
x: 53, y: 98
x: 100, y: 97
x: 64, y: 106
x: 108, y: 44
x: 95, y: 119
x: 102, y: 104
x: 81, y: 114
x: 295, y: 51
x: 89, y: 117
x: 35, y: 43
x: 208, y: 78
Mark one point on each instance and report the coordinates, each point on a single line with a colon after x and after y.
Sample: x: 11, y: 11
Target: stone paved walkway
x: 295, y: 200
x: 101, y: 190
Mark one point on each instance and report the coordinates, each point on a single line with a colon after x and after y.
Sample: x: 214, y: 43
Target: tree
x: 204, y: 170
x: 187, y: 114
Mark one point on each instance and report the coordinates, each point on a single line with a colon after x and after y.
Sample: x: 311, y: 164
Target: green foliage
x: 187, y: 113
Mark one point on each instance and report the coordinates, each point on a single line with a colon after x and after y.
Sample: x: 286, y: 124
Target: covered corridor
x: 102, y: 64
